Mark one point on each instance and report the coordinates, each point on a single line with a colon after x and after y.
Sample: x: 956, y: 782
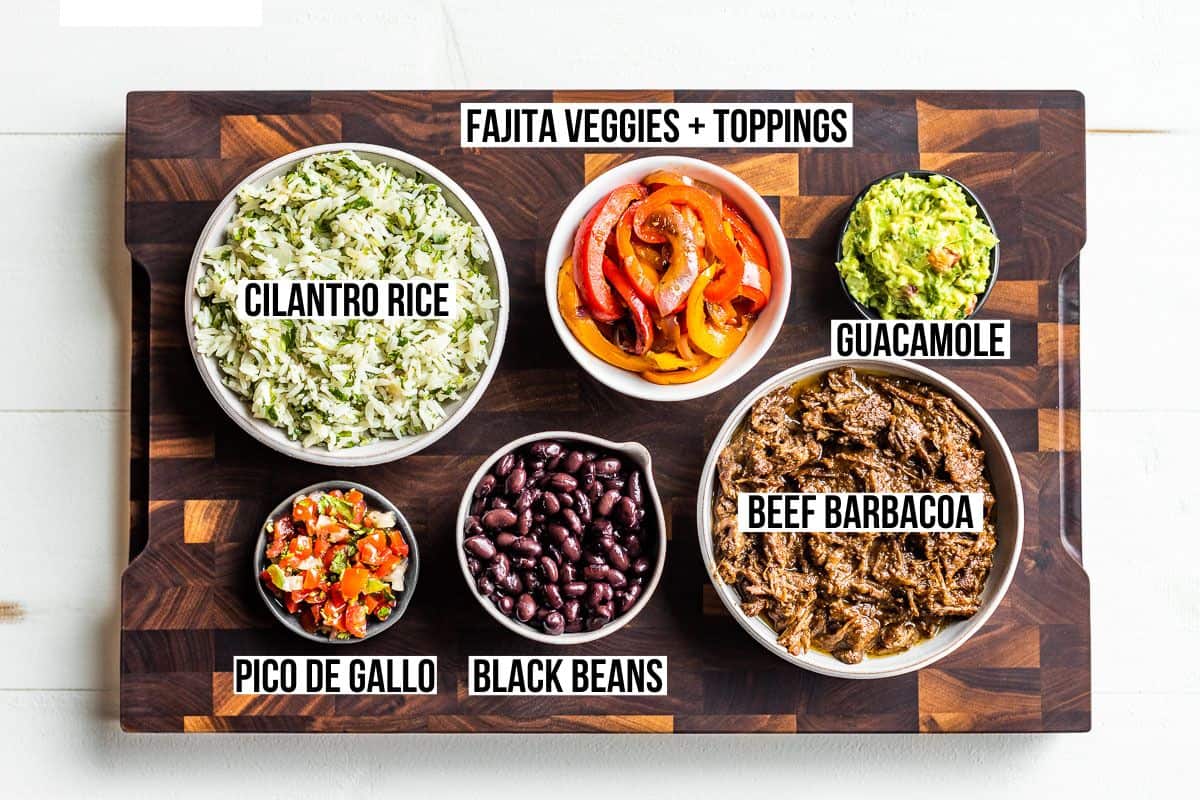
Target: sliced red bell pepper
x: 591, y: 238
x: 724, y: 287
x: 642, y: 325
x: 668, y: 222
x: 756, y: 286
x: 643, y: 277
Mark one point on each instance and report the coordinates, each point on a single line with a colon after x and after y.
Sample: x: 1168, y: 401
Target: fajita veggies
x: 335, y: 563
x: 665, y: 279
x: 917, y: 248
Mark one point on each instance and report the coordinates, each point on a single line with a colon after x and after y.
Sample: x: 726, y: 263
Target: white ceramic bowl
x: 762, y: 334
x: 383, y: 450
x: 1009, y: 510
x: 652, y: 504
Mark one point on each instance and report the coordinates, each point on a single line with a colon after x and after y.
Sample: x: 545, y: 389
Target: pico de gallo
x: 335, y: 563
x: 665, y: 279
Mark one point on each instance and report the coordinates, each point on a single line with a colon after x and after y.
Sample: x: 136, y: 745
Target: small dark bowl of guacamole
x: 917, y: 244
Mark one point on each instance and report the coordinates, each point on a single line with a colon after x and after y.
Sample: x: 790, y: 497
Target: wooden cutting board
x: 201, y: 487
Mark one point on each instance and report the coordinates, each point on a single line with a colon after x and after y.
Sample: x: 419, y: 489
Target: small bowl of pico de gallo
x: 336, y: 562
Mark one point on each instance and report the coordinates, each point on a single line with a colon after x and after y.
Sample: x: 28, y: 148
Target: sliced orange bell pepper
x: 717, y: 342
x: 643, y: 277
x: 585, y: 329
x: 724, y: 287
x: 668, y: 222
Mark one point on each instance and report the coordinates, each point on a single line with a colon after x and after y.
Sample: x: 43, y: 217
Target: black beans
x: 561, y: 482
x: 549, y: 569
x: 480, y: 546
x: 633, y: 487
x: 526, y: 607
x: 486, y: 485
x: 618, y: 557
x: 554, y: 623
x: 555, y: 537
x: 516, y: 481
x: 607, y: 501
x: 608, y: 466
x: 498, y: 518
x: 626, y: 512
x: 571, y: 549
x: 573, y: 461
x: 505, y: 465
x: 545, y: 450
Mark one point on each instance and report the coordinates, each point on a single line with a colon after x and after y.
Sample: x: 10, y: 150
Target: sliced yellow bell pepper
x: 717, y: 342
x: 586, y: 330
x: 685, y: 375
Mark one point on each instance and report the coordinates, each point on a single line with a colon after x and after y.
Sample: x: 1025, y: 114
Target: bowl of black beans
x: 561, y: 535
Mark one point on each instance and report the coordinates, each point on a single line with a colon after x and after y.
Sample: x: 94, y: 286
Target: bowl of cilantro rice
x: 358, y: 391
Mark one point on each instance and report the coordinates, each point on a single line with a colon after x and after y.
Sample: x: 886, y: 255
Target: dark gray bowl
x: 867, y: 311
x: 374, y: 500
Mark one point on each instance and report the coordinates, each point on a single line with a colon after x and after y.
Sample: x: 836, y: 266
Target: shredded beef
x: 854, y: 594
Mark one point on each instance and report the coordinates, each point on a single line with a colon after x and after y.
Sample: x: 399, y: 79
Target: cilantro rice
x: 342, y: 384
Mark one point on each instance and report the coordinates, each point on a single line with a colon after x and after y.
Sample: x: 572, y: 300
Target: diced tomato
x: 275, y: 548
x: 292, y: 601
x: 371, y: 602
x: 320, y: 547
x: 304, y: 510
x: 332, y: 614
x: 328, y: 527
x: 284, y: 528
x: 288, y: 562
x: 332, y: 552
x: 312, y: 579
x: 301, y: 547
x: 356, y: 620
x: 373, y: 548
x: 310, y: 619
x: 384, y: 570
x: 354, y: 580
x: 335, y: 493
x: 399, y: 546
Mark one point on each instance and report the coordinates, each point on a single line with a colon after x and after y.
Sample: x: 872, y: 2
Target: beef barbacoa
x: 854, y: 594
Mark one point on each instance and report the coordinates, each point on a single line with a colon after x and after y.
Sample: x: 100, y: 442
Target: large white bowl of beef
x: 1007, y: 514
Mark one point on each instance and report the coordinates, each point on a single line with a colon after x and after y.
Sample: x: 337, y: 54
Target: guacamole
x: 916, y: 248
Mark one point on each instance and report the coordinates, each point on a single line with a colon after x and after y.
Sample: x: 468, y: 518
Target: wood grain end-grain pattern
x: 202, y: 488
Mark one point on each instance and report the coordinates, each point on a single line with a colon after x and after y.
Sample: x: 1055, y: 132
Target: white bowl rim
x: 813, y: 660
x: 641, y: 455
x: 383, y: 450
x: 728, y: 373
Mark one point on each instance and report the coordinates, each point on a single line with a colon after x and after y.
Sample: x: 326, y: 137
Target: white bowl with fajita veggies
x: 358, y: 392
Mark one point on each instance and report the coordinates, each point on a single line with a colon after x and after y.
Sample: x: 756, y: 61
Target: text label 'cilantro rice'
x: 345, y: 300
x: 860, y: 512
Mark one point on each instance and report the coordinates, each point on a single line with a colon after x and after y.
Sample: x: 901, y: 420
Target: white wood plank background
x: 64, y: 402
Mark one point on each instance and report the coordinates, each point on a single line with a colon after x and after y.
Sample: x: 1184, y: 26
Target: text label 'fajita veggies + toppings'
x: 665, y: 279
x: 335, y: 563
